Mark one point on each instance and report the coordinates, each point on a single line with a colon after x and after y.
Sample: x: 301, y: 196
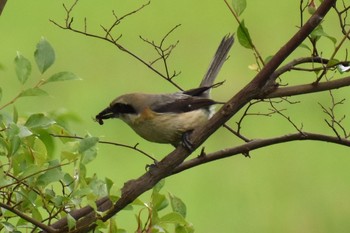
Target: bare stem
x: 110, y: 143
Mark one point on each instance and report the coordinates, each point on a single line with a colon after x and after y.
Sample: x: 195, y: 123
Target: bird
x: 170, y: 117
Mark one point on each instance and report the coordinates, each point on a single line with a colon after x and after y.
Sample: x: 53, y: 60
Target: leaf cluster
x: 151, y: 219
x: 42, y: 178
x: 30, y: 172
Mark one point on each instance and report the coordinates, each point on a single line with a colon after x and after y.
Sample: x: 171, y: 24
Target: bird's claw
x: 186, y: 141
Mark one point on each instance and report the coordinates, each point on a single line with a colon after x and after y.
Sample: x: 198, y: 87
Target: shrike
x: 166, y: 118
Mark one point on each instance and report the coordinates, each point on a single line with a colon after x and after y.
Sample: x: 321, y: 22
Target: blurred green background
x: 294, y: 187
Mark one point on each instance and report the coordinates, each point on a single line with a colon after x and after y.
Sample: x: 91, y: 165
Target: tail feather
x: 217, y: 62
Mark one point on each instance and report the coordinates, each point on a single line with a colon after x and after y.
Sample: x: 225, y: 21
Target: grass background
x: 294, y: 187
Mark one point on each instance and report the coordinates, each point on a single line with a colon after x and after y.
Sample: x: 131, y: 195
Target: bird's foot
x: 186, y: 141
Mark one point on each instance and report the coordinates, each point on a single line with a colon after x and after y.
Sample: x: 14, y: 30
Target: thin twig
x: 330, y: 112
x: 288, y: 118
x: 28, y: 219
x: 19, y: 180
x: 164, y: 54
x: 109, y: 143
x: 111, y: 39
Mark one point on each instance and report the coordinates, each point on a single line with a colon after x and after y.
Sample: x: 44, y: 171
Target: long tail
x: 217, y: 62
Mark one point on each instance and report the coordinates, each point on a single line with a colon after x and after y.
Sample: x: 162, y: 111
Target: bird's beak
x: 105, y: 114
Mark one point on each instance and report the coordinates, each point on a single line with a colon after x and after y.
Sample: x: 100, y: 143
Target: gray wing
x: 179, y: 102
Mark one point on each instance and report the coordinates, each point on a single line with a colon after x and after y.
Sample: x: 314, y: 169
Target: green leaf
x: 12, y: 130
x: 36, y: 214
x: 24, y: 131
x: 8, y: 226
x: 113, y: 226
x: 18, y: 131
x: 109, y: 183
x: 0, y: 94
x: 71, y: 222
x: 30, y: 171
x: 81, y: 192
x: 304, y: 46
x: 4, y: 144
x: 99, y: 223
x: 38, y: 120
x: 159, y: 201
x: 311, y: 7
x: 15, y: 144
x: 174, y: 218
x: 114, y: 194
x: 243, y: 36
x: 23, y: 68
x: 98, y: 187
x: 39, y: 152
x: 120, y: 231
x: 332, y: 62
x: 49, y: 194
x: 188, y: 228
x: 87, y: 143
x: 62, y: 76
x: 58, y: 201
x: 68, y: 181
x: 178, y: 205
x: 88, y: 155
x: 33, y: 92
x: 44, y: 55
x: 69, y: 156
x: 333, y: 39
x: 159, y: 186
x: 239, y: 6
x: 50, y: 176
x: 318, y: 32
x: 15, y: 115
x: 7, y: 214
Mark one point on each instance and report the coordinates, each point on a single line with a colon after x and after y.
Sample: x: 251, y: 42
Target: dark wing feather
x: 200, y: 90
x: 196, y: 91
x: 184, y: 105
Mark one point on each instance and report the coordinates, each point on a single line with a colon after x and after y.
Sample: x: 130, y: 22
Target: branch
x: 291, y: 65
x: 256, y: 144
x: 308, y: 88
x: 29, y: 219
x: 2, y: 5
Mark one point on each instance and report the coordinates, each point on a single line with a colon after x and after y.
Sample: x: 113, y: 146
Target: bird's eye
x: 122, y: 108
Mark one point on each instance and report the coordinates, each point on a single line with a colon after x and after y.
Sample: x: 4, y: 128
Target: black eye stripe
x: 122, y: 108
